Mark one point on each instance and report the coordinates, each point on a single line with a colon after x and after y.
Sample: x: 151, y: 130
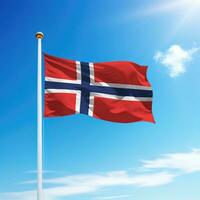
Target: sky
x: 84, y: 157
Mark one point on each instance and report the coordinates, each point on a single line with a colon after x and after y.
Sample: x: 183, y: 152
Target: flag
x: 112, y: 91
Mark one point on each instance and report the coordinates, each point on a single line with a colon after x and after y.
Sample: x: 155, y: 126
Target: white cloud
x: 175, y: 59
x: 28, y: 195
x: 112, y: 197
x: 169, y: 166
x: 80, y: 184
x: 44, y: 171
x: 185, y: 162
x: 114, y: 178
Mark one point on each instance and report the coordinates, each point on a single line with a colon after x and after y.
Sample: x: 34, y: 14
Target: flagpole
x: 39, y: 36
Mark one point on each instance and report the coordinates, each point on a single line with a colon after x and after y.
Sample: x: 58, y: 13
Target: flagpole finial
x: 39, y: 35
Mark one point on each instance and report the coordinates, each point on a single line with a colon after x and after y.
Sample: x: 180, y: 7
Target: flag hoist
x: 39, y: 36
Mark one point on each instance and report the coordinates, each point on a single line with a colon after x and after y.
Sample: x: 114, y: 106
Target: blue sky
x: 85, y: 158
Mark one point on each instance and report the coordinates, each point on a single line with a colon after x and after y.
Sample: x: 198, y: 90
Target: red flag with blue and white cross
x: 113, y: 91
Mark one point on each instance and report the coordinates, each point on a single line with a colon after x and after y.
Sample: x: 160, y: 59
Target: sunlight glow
x: 192, y: 4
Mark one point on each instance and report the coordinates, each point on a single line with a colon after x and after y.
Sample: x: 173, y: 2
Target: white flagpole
x: 39, y: 36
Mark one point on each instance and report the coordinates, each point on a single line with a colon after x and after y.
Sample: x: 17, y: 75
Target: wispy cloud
x: 89, y: 183
x: 27, y: 195
x: 44, y: 171
x: 160, y: 171
x: 185, y: 162
x: 175, y: 59
x: 112, y: 197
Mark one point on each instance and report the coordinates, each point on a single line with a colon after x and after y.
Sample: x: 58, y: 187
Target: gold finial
x: 39, y: 35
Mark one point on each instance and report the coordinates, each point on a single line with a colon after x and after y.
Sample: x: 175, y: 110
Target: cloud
x: 89, y: 183
x: 153, y: 173
x: 112, y: 197
x: 184, y: 162
x: 114, y: 178
x: 28, y: 195
x: 44, y: 171
x: 175, y: 59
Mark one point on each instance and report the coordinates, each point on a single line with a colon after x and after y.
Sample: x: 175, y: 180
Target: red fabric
x: 60, y: 68
x: 122, y: 111
x: 129, y: 73
x: 59, y: 104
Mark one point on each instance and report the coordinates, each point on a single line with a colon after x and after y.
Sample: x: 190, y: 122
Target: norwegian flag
x: 112, y: 91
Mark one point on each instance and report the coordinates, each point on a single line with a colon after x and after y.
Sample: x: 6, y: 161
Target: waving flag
x: 112, y: 91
